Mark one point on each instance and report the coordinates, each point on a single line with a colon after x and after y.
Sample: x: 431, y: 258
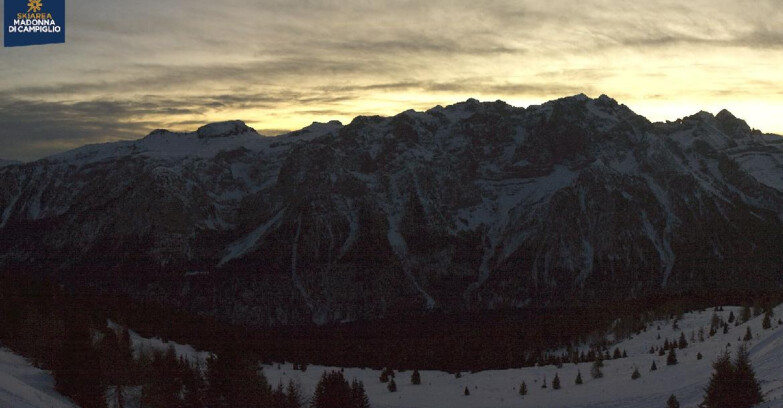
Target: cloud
x: 128, y: 67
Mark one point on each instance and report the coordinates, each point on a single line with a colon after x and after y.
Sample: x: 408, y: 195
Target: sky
x: 129, y: 67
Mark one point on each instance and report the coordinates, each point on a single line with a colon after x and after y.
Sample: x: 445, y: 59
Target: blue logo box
x: 31, y: 22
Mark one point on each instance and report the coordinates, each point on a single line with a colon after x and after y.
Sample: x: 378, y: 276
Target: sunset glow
x: 130, y: 67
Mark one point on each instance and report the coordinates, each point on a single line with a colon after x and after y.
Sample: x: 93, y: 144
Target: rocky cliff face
x: 476, y: 205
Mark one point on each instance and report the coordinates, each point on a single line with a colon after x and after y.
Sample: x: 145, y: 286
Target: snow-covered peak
x: 730, y: 124
x: 224, y: 129
x: 316, y: 129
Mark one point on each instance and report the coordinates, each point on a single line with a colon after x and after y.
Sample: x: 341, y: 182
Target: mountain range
x: 474, y: 206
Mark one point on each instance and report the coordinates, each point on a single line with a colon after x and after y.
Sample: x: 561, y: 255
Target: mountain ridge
x: 475, y: 205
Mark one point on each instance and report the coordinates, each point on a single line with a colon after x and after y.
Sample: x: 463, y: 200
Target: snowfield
x: 24, y: 386
x: 686, y: 380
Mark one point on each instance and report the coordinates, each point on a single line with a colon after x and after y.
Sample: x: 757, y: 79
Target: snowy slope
x: 142, y: 344
x: 686, y: 380
x: 24, y: 386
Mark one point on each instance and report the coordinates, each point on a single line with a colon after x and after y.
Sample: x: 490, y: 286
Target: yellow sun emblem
x: 35, y: 5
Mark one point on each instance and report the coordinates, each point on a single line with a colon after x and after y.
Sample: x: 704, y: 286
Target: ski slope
x: 686, y: 380
x: 24, y: 386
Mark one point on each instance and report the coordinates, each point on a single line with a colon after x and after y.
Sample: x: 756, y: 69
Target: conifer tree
x: 293, y: 395
x: 731, y: 317
x: 672, y: 402
x: 358, y: 395
x: 332, y: 391
x: 748, y: 335
x: 733, y: 384
x: 671, y: 359
x: 523, y: 389
x: 746, y: 313
x: 767, y: 323
x: 578, y: 380
x: 556, y: 382
x: 653, y: 367
x: 635, y: 374
x: 719, y: 389
x: 543, y: 383
x: 617, y: 354
x: 747, y: 390
x: 415, y: 377
x: 595, y: 370
x: 699, y: 356
x: 467, y: 391
x: 682, y: 343
x: 392, y: 386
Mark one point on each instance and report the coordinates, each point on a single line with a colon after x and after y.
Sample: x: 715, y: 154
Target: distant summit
x: 223, y: 129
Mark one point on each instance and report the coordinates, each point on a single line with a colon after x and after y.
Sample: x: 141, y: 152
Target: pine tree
x: 332, y: 391
x: 682, y: 343
x: 767, y: 323
x: 293, y: 396
x: 748, y: 335
x: 617, y: 354
x: 671, y: 359
x: 392, y: 386
x: 467, y: 391
x: 653, y: 367
x: 415, y: 377
x: 699, y: 356
x: 595, y: 370
x: 635, y: 374
x: 543, y: 383
x: 746, y: 313
x: 358, y: 395
x: 384, y: 378
x: 523, y: 389
x: 672, y: 402
x: 578, y: 380
x: 556, y: 382
x: 747, y: 390
x: 720, y: 388
x: 731, y: 317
